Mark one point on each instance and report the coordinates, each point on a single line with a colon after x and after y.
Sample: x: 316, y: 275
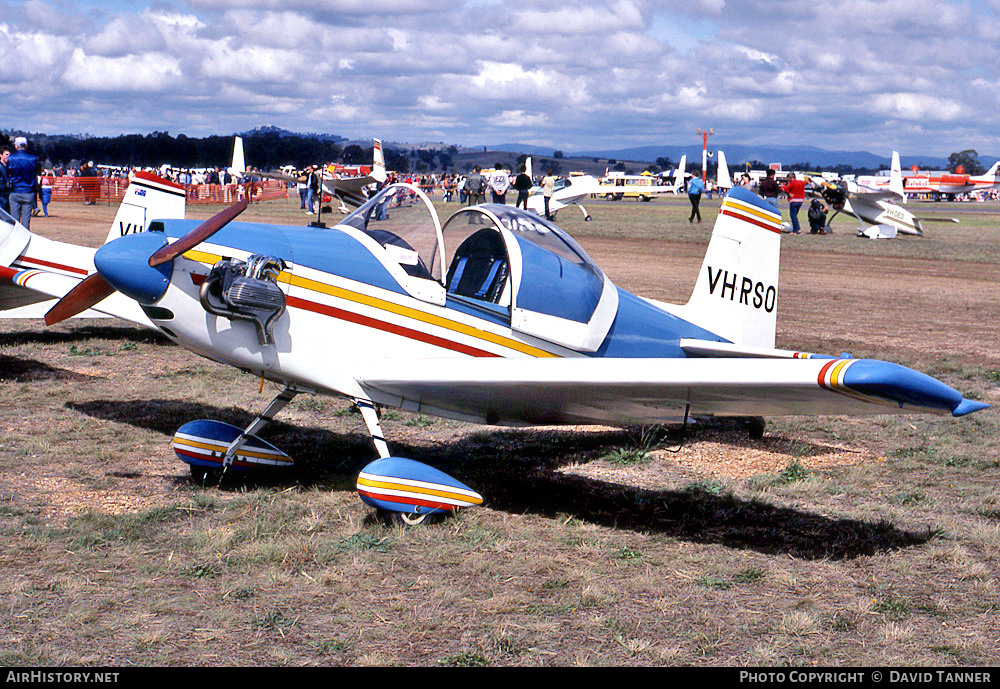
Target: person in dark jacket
x: 22, y: 169
x: 522, y: 184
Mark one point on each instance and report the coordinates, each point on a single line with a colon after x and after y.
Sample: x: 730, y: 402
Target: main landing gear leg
x: 586, y: 215
x: 370, y: 415
x: 276, y: 405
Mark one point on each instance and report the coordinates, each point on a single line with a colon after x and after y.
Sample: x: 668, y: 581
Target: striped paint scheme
x: 379, y: 304
x: 404, y: 485
x: 751, y: 213
x: 204, y: 442
x: 831, y: 377
x: 18, y: 277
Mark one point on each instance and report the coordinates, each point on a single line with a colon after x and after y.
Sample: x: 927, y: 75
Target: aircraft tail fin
x: 239, y: 165
x: 527, y: 167
x: 148, y: 197
x: 896, y: 177
x: 378, y: 162
x: 736, y: 293
x: 681, y: 169
x: 993, y: 171
x: 724, y: 181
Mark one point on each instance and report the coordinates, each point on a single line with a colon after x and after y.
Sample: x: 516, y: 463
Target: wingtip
x: 968, y: 406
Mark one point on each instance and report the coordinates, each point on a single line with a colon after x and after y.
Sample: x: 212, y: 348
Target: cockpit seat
x: 479, y: 269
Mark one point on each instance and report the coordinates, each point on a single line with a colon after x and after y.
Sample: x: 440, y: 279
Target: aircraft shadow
x: 517, y: 473
x: 87, y: 332
x: 21, y: 370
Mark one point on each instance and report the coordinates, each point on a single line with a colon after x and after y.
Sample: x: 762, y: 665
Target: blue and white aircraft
x: 496, y: 317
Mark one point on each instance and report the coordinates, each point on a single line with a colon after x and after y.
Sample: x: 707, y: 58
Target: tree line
x: 266, y: 150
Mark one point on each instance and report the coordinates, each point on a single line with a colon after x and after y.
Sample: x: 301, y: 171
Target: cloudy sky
x: 919, y: 76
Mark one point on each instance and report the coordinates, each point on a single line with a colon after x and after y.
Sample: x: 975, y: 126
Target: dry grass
x: 831, y: 542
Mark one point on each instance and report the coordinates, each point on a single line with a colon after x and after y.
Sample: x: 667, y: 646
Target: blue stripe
x: 747, y: 196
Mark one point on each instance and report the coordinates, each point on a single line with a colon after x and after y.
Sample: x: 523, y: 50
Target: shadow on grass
x: 23, y: 370
x: 69, y: 334
x: 517, y: 472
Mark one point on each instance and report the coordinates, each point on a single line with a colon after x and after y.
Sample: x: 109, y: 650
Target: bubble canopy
x: 509, y: 261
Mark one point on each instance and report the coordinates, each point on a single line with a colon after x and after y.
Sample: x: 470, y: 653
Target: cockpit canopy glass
x: 401, y: 220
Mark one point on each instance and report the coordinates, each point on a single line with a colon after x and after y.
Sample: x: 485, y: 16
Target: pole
x: 705, y: 133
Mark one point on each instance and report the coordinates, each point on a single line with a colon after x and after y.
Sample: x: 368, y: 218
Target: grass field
x: 831, y: 541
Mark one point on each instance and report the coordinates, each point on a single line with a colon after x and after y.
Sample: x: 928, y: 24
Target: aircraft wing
x: 629, y: 391
x: 27, y: 292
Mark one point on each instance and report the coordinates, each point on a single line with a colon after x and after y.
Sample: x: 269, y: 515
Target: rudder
x: 736, y: 294
x: 148, y: 197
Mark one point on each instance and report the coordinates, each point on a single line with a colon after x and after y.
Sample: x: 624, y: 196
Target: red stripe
x: 236, y: 461
x: 752, y: 221
x: 8, y: 273
x: 406, y: 500
x: 822, y: 373
x: 149, y: 177
x: 387, y: 327
x: 57, y: 266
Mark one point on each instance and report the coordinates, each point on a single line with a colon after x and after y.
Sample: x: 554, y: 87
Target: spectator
x: 22, y: 167
x: 548, y: 189
x: 474, y: 186
x: 4, y: 179
x: 45, y: 192
x: 522, y: 184
x: 769, y: 188
x: 499, y: 184
x: 90, y: 184
x: 695, y: 189
x: 796, y: 191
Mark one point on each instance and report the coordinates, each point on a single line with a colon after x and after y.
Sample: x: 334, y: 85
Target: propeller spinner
x: 136, y: 265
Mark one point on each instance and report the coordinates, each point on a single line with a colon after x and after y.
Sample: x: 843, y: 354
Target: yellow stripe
x: 242, y: 452
x: 423, y: 491
x: 383, y: 305
x: 838, y: 368
x: 753, y: 210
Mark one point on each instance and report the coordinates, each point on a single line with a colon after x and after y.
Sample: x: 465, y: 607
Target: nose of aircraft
x: 124, y: 263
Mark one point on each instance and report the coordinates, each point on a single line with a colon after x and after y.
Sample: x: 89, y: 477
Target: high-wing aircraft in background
x: 937, y: 186
x: 949, y: 185
x: 496, y: 317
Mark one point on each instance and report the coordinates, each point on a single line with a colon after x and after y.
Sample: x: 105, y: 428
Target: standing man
x: 23, y: 170
x: 695, y: 189
x: 548, y: 189
x: 769, y: 188
x: 474, y: 186
x: 4, y: 179
x: 499, y: 184
x: 522, y: 184
x: 314, y: 185
x: 796, y: 191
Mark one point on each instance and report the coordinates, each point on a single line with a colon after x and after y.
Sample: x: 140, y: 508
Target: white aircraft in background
x: 723, y: 180
x: 879, y: 211
x: 569, y: 191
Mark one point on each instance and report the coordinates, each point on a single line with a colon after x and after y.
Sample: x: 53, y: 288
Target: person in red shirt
x: 795, y: 189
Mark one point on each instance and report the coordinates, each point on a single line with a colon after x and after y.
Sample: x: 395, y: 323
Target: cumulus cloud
x: 602, y: 73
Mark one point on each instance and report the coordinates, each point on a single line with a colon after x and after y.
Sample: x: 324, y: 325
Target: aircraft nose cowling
x: 124, y: 263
